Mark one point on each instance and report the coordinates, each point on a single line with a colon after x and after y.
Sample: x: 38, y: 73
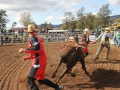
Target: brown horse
x: 70, y: 55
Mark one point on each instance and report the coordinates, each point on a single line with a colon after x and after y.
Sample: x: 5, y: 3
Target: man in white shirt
x: 104, y: 43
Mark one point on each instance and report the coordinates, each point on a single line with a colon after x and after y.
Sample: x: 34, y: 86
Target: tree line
x: 80, y: 20
x: 88, y: 20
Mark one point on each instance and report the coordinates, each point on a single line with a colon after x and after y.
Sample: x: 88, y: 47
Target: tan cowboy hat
x: 107, y: 29
x: 31, y: 28
x: 86, y: 29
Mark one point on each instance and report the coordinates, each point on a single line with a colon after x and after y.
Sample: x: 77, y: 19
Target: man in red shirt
x: 38, y: 57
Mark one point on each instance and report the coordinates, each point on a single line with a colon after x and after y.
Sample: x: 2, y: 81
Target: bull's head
x: 71, y: 41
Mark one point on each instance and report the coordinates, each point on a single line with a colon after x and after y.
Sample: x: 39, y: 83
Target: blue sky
x: 52, y: 10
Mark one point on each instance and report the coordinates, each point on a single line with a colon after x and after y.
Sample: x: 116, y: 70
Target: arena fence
x: 47, y: 37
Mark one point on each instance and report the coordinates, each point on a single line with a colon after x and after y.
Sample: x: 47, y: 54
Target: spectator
x: 6, y: 40
x: 117, y: 37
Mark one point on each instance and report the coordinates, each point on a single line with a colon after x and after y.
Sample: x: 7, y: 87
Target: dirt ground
x: 104, y: 74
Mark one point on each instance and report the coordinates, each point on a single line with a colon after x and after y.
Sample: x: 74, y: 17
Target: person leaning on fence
x: 104, y: 43
x: 38, y: 57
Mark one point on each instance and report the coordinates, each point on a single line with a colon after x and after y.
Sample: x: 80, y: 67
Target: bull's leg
x: 62, y: 75
x: 71, y: 72
x: 54, y: 74
x: 82, y: 61
x: 69, y: 66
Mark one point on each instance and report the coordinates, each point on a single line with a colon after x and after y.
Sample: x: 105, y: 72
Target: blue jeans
x: 118, y: 41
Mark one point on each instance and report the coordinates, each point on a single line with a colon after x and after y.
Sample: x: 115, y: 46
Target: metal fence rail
x: 47, y: 37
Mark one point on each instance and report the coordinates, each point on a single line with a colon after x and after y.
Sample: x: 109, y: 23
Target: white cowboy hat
x: 71, y: 37
x: 86, y: 29
x: 31, y: 28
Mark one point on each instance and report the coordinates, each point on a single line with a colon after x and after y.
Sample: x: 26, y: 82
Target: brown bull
x: 70, y: 55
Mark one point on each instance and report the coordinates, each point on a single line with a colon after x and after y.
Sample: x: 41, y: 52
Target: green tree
x: 25, y: 18
x: 64, y: 26
x: 68, y: 18
x: 73, y: 24
x: 14, y: 24
x: 3, y: 19
x: 104, y: 15
x: 117, y: 20
x: 34, y: 24
x: 96, y: 22
x: 89, y: 20
x: 81, y: 18
x: 43, y: 26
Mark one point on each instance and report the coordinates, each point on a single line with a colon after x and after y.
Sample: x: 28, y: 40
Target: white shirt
x: 108, y: 35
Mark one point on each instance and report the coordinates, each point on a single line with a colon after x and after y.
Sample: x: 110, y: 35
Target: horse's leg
x: 54, y: 74
x: 82, y: 61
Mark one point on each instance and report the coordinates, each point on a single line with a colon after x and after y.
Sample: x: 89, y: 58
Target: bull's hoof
x: 73, y: 74
x: 87, y: 73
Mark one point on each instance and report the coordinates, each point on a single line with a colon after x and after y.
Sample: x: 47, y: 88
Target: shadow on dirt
x: 105, y: 78
x: 108, y: 61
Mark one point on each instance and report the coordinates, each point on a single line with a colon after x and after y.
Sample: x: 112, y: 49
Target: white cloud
x: 114, y: 2
x: 17, y: 19
x: 95, y: 13
x: 11, y: 12
x: 95, y: 6
x: 37, y: 5
x: 49, y: 18
x: 59, y: 18
x: 73, y: 10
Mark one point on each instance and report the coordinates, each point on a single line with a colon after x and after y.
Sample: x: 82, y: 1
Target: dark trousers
x: 31, y: 80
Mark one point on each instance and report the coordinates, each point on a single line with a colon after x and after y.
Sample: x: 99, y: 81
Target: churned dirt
x: 104, y: 74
